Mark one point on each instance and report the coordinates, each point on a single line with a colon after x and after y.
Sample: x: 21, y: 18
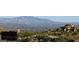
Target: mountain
x: 29, y: 22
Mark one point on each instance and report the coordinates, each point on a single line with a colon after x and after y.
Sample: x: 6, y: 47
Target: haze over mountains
x: 29, y: 22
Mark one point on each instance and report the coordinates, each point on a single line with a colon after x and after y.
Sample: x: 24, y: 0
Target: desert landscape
x: 36, y: 29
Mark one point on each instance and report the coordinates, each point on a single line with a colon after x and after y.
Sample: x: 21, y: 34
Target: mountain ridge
x: 29, y: 22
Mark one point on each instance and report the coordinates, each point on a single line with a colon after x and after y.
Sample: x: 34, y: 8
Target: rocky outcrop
x: 68, y: 28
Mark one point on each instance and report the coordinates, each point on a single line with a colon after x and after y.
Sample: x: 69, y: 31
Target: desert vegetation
x: 67, y: 33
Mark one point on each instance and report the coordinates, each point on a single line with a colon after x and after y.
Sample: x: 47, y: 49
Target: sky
x: 55, y: 18
x: 8, y: 16
x: 62, y: 18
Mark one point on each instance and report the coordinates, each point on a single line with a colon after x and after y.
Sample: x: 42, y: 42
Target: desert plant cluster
x: 67, y: 33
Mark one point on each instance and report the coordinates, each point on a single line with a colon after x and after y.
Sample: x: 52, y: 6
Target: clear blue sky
x: 62, y: 18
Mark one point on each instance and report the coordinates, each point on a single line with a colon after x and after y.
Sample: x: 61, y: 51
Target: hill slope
x: 29, y: 22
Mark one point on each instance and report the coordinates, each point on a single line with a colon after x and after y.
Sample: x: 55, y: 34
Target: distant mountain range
x: 29, y: 22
